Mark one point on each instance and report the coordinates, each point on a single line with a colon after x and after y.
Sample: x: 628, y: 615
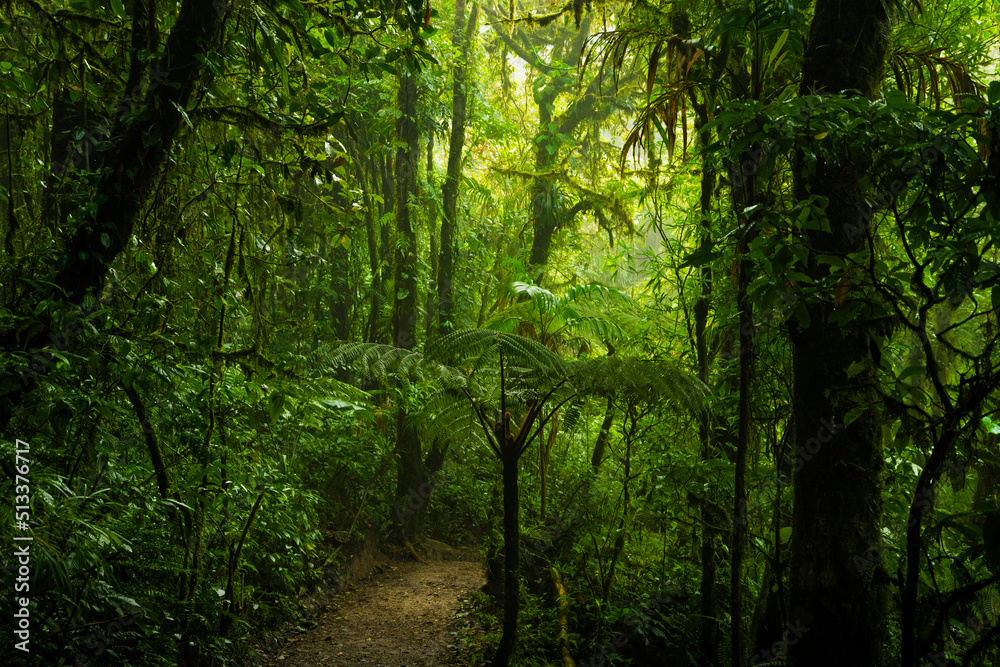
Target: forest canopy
x: 683, y: 317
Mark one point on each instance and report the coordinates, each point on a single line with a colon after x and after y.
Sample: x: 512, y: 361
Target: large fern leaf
x: 480, y: 349
x: 466, y: 364
x: 638, y: 380
x: 584, y: 315
x: 386, y: 364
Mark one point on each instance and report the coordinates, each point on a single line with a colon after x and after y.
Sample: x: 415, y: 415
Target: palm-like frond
x: 731, y: 66
x: 922, y: 75
x: 669, y: 55
x: 386, y: 363
x: 480, y: 349
x: 591, y: 311
x: 664, y: 113
x: 636, y: 380
x: 468, y: 362
x: 450, y: 419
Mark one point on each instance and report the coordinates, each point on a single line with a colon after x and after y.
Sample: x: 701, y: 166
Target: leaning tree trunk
x: 127, y: 173
x: 836, y: 608
x: 603, y: 437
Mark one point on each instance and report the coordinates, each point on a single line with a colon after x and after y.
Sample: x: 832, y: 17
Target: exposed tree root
x: 413, y: 552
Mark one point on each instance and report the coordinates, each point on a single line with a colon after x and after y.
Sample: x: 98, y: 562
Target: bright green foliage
x: 199, y: 280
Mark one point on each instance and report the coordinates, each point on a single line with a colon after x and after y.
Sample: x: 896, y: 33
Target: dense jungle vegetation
x: 685, y: 315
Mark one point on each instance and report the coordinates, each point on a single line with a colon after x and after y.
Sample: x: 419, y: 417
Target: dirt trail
x: 399, y: 618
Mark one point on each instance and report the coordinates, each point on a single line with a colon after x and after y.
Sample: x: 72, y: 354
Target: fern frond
x: 945, y: 77
x: 573, y: 413
x: 377, y: 361
x: 333, y: 388
x: 592, y: 311
x: 479, y: 349
x: 386, y: 363
x: 450, y: 419
x: 598, y: 328
x: 638, y: 381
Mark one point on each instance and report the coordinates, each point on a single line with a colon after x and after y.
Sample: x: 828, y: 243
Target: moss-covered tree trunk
x: 837, y: 608
x: 410, y: 472
x: 603, y: 437
x: 549, y: 211
x: 141, y: 143
x: 449, y: 196
x: 340, y: 288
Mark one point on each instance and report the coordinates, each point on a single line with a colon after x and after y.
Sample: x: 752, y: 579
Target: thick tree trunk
x: 837, y: 507
x: 410, y: 477
x: 746, y: 332
x: 544, y: 195
x: 8, y: 130
x: 709, y: 510
x: 836, y: 607
x: 449, y: 194
x: 745, y: 195
x: 548, y: 213
x: 379, y: 250
x: 368, y: 175
x: 546, y: 210
x: 127, y: 174
x: 340, y: 293
x: 404, y: 313
x: 404, y: 259
x: 131, y: 166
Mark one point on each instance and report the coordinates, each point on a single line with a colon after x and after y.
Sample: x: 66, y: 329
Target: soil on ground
x: 399, y: 618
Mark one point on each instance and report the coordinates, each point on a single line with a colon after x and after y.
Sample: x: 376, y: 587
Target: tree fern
x: 468, y: 362
x: 498, y: 372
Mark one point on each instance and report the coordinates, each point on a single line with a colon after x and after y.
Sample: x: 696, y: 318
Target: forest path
x: 399, y: 618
